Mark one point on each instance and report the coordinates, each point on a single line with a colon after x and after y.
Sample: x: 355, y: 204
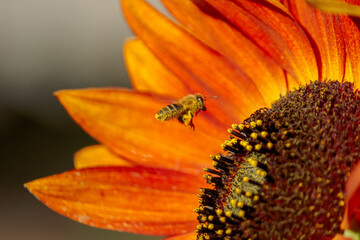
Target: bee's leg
x: 180, y: 118
x: 187, y: 120
x: 192, y: 126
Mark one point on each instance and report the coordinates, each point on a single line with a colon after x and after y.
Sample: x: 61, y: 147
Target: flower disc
x: 284, y: 173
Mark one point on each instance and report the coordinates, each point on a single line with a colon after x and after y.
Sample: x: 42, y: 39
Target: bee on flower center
x: 184, y: 110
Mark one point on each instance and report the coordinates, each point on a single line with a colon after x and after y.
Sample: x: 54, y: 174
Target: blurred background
x: 46, y: 45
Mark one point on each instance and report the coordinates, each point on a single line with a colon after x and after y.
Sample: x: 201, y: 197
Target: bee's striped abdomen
x: 169, y: 112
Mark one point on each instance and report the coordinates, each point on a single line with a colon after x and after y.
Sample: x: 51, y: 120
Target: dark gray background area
x: 47, y: 45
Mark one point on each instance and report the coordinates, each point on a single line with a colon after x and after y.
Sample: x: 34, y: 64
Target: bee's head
x: 200, y: 102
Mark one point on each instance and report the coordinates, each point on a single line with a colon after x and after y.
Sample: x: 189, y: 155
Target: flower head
x: 285, y: 75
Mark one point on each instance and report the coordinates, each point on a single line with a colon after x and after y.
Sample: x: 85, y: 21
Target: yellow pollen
x: 253, y: 162
x: 256, y: 198
x: 340, y: 195
x: 211, y: 217
x: 261, y: 173
x: 222, y: 219
x: 233, y: 202
x: 240, y: 204
x: 228, y: 213
x: 241, y: 213
x: 341, y: 203
x: 258, y: 147
x: 244, y: 143
x: 228, y: 231
x: 249, y: 148
x: 218, y: 212
x: 328, y: 214
x: 241, y: 126
x: 203, y: 218
x: 234, y: 126
x: 199, y: 226
x: 311, y: 208
x: 319, y: 179
x: 248, y: 194
x: 206, y: 176
x: 246, y: 179
x: 253, y: 135
x: 252, y: 124
x: 220, y: 232
x: 288, y: 145
x: 319, y: 225
x: 211, y: 226
x: 263, y: 134
x: 269, y: 145
x: 259, y: 123
x: 300, y: 184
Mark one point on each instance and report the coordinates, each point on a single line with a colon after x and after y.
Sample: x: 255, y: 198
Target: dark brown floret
x: 285, y: 168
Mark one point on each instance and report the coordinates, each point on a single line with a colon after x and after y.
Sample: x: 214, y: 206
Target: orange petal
x: 96, y: 156
x: 148, y: 74
x: 351, y: 36
x: 190, y: 236
x: 200, y: 67
x: 352, y: 212
x: 138, y: 200
x: 124, y: 122
x: 273, y: 30
x: 227, y: 40
x: 326, y: 32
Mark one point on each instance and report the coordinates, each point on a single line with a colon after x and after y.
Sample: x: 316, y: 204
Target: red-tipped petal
x: 138, y: 200
x: 201, y: 68
x: 326, y: 32
x: 148, y: 74
x: 352, y: 211
x: 97, y: 156
x: 227, y: 40
x: 124, y: 121
x: 277, y: 33
x: 356, y: 2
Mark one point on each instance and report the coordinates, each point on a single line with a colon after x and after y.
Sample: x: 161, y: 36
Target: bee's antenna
x: 206, y: 98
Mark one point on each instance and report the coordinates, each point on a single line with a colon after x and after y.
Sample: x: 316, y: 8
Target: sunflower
x: 286, y: 76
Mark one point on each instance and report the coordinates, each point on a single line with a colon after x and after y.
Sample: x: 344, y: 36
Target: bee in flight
x: 184, y: 109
